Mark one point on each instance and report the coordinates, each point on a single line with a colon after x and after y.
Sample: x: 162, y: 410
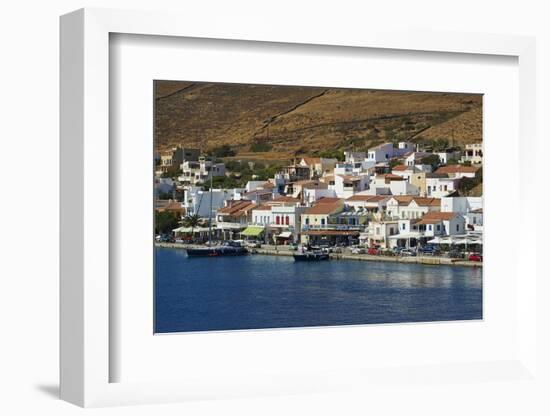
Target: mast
x: 210, y: 216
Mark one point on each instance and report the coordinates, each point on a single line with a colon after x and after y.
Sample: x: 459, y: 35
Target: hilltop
x: 266, y: 122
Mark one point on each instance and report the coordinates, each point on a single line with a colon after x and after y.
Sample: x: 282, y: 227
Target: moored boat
x: 311, y: 256
x: 230, y: 248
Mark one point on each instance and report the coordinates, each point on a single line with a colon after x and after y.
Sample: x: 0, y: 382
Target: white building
x: 199, y: 172
x: 458, y: 171
x: 473, y: 153
x: 439, y: 187
x: 196, y: 201
x: 380, y: 153
x: 461, y: 204
x: 348, y: 185
x: 411, y: 207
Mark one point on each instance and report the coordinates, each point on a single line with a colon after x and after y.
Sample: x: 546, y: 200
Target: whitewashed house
x: 380, y: 153
x: 197, y: 202
x: 461, y: 204
x: 348, y: 185
x: 411, y: 207
x: 458, y: 171
x: 439, y: 186
x: 379, y: 233
x: 442, y: 224
x: 195, y: 172
x: 473, y: 153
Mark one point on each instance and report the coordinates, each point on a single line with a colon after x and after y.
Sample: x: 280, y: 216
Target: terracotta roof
x: 435, y: 217
x: 390, y: 177
x: 310, y: 184
x: 478, y: 211
x: 327, y: 200
x: 403, y: 199
x: 401, y: 168
x: 171, y: 205
x: 367, y: 198
x: 326, y: 208
x: 425, y: 202
x: 263, y: 207
x: 237, y: 208
x: 285, y: 198
x: 457, y: 169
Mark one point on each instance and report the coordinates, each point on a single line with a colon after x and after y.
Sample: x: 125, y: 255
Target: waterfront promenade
x: 347, y: 255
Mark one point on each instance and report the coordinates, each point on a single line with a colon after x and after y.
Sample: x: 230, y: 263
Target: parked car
x: 358, y: 250
x: 407, y: 252
x: 429, y: 250
x: 252, y: 244
x: 475, y: 257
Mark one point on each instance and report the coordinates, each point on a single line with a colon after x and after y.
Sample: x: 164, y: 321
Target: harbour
x: 271, y: 250
x: 274, y: 291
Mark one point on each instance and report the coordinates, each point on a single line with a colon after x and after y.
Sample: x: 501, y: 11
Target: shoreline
x: 427, y: 260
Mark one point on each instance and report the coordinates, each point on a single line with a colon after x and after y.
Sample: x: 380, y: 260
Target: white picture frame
x: 85, y: 212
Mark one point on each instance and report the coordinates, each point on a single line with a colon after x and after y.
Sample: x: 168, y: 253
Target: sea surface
x: 259, y: 291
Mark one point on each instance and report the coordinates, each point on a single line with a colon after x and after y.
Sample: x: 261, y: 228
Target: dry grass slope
x: 300, y: 120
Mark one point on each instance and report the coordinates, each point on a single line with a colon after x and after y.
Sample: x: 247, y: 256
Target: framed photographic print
x: 275, y: 213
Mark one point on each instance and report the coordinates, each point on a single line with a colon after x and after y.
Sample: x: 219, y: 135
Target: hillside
x: 277, y: 122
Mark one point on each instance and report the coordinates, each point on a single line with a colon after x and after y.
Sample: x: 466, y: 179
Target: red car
x: 475, y: 257
x: 373, y: 251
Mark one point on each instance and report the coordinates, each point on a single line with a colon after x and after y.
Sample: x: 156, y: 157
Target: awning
x: 253, y: 231
x: 191, y: 230
x: 404, y: 236
x: 285, y: 234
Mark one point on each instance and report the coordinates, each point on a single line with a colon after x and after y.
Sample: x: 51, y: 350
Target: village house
x: 171, y: 206
x: 199, y: 172
x: 348, y: 185
x: 233, y: 218
x: 434, y: 224
x: 391, y: 184
x: 458, y: 171
x: 318, y: 165
x: 371, y: 204
x: 196, y: 201
x: 448, y: 155
x: 473, y: 153
x: 172, y: 159
x: 415, y: 158
x: 439, y: 186
x: 295, y: 172
x: 410, y: 207
x: 380, y: 153
x: 379, y: 232
x: 474, y: 220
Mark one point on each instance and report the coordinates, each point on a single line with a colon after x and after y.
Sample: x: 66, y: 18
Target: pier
x: 272, y: 250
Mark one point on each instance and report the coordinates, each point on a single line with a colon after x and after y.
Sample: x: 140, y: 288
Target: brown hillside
x: 261, y: 121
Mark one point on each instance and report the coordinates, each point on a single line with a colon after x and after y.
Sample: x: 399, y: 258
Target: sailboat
x: 228, y: 248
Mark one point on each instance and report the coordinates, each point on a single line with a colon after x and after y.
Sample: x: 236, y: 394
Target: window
x: 307, y: 221
x: 322, y: 221
x: 438, y: 227
x: 277, y: 220
x: 458, y: 227
x: 287, y: 220
x: 403, y: 226
x: 430, y: 227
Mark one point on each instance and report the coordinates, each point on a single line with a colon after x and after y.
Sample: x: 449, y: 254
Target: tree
x: 165, y: 222
x: 432, y: 160
x: 222, y: 151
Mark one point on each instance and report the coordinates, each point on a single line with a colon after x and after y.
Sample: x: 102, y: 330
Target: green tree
x: 432, y: 160
x: 165, y: 222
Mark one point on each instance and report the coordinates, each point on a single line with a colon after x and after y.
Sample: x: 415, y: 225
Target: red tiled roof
x: 457, y: 169
x: 327, y: 208
x: 367, y: 198
x: 327, y: 200
x: 434, y: 217
x: 285, y: 198
x: 401, y: 168
x: 425, y: 202
x: 237, y: 208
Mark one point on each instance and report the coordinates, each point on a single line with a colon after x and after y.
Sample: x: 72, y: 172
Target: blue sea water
x: 256, y: 291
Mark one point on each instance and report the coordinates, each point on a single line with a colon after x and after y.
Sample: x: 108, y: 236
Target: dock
x: 286, y: 251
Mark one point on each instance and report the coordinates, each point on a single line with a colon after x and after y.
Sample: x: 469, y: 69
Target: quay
x: 272, y: 250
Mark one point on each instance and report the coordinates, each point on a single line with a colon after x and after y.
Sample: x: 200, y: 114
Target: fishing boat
x: 304, y: 254
x: 228, y: 248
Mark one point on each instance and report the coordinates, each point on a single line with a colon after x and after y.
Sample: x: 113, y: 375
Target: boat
x: 229, y: 248
x: 311, y: 255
